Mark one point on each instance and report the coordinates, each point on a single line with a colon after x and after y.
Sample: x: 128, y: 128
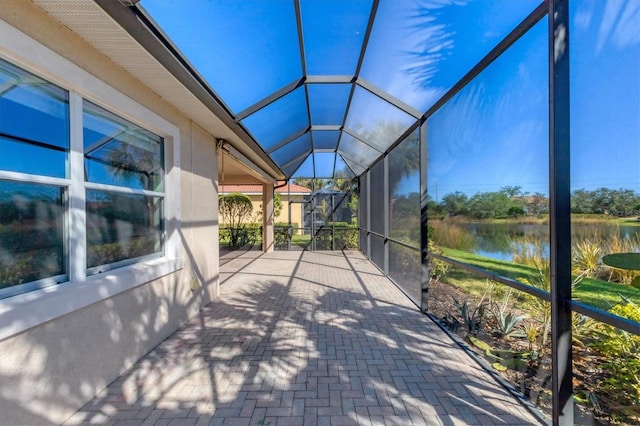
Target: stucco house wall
x: 295, y: 197
x: 61, y: 346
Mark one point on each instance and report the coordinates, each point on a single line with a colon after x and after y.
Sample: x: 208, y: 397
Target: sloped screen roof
x: 327, y: 86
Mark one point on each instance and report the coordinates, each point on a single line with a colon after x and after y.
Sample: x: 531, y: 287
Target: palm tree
x: 133, y: 159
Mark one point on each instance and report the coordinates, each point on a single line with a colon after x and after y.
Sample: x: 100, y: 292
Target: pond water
x: 497, y: 240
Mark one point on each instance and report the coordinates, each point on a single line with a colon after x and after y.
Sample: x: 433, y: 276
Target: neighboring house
x: 293, y: 199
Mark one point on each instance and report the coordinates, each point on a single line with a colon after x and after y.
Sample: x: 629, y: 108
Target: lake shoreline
x: 578, y: 219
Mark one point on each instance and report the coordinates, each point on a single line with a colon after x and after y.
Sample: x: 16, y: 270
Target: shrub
x: 346, y: 238
x: 282, y: 237
x: 586, y: 258
x: 622, y: 352
x: 337, y: 236
x: 285, y: 225
x: 235, y: 209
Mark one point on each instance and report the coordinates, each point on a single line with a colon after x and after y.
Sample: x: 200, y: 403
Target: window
x: 121, y: 211
x: 124, y: 216
x: 33, y: 180
x: 71, y: 212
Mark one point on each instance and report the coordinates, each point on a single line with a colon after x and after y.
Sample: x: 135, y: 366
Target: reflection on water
x: 503, y: 241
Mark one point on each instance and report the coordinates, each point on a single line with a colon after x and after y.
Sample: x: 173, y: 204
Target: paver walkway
x: 313, y: 338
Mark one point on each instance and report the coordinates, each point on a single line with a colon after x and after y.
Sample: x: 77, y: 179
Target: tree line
x: 511, y: 201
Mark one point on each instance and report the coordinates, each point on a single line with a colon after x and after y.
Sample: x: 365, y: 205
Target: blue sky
x: 605, y: 94
x: 492, y: 134
x: 495, y: 131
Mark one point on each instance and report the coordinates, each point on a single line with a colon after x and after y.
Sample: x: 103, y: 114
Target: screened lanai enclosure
x: 484, y: 155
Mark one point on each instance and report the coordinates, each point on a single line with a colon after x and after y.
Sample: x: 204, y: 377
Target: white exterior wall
x: 60, y: 346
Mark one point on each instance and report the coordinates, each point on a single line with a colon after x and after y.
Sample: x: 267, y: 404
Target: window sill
x: 27, y: 310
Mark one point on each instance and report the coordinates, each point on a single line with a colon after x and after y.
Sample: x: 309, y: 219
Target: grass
x: 594, y: 292
x: 300, y: 240
x: 452, y: 235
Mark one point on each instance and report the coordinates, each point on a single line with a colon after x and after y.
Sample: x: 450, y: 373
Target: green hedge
x: 285, y: 225
x: 248, y: 233
x: 342, y: 236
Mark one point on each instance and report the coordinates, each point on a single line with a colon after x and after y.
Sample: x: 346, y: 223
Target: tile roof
x: 257, y: 189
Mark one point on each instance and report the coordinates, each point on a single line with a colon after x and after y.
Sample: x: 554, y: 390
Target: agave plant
x: 472, y: 317
x: 506, y: 324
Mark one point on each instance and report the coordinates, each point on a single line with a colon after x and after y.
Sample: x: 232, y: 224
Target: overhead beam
x: 330, y: 79
x: 287, y: 140
x: 348, y: 157
x: 363, y: 50
x: 373, y: 145
x: 299, y: 158
x: 269, y: 99
x: 522, y: 28
x: 323, y: 127
x: 388, y: 98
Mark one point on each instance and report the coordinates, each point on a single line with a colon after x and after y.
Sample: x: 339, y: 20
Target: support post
x: 267, y: 217
x: 560, y: 212
x: 385, y: 208
x: 368, y: 207
x: 425, y: 273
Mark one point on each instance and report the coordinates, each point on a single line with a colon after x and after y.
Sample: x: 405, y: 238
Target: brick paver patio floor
x: 313, y: 338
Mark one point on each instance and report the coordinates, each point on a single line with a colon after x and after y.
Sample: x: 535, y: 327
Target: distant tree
x: 311, y: 183
x: 350, y: 188
x: 455, y: 203
x: 277, y: 204
x: 515, y: 211
x: 602, y: 199
x: 434, y: 209
x: 234, y: 209
x: 323, y: 209
x: 485, y: 205
x: 537, y: 204
x: 614, y: 202
x: 307, y: 183
x: 581, y: 201
x: 353, y: 204
x: 624, y: 202
x: 512, y: 191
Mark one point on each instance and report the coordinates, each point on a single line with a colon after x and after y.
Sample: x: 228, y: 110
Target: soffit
x: 233, y: 171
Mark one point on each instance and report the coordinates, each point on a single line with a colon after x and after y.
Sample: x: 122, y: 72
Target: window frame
x: 122, y: 189
x: 81, y: 289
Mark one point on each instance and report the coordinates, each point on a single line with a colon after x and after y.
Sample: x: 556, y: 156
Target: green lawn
x: 300, y: 239
x: 598, y: 293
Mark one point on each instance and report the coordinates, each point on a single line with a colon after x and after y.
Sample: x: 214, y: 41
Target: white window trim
x: 27, y: 310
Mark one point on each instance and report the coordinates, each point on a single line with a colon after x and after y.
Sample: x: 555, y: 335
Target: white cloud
x: 620, y: 25
x: 583, y: 15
